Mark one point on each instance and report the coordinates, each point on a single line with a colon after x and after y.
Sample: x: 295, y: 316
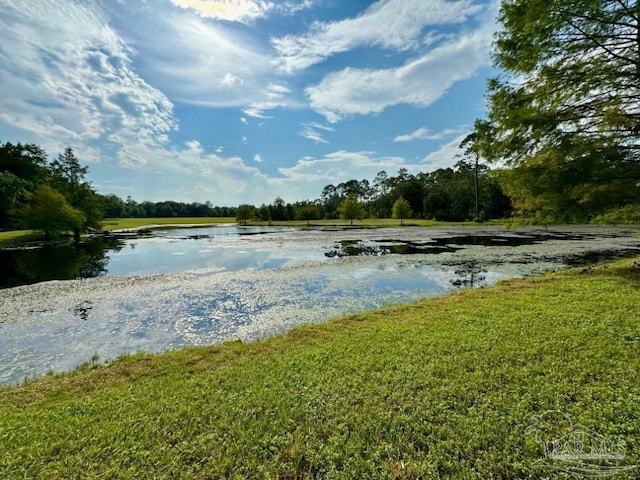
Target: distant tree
x: 308, y: 212
x: 331, y: 200
x: 471, y: 154
x: 351, y: 209
x: 69, y: 179
x: 49, y: 212
x: 165, y: 209
x: 263, y: 213
x: 113, y: 206
x: 244, y: 213
x: 401, y: 210
x: 278, y: 209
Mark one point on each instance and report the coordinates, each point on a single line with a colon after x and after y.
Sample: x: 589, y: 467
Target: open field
x: 18, y: 236
x: 124, y: 223
x: 443, y: 388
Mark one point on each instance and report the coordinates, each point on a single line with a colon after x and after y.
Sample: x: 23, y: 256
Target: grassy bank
x: 16, y: 237
x: 443, y: 388
x: 125, y: 223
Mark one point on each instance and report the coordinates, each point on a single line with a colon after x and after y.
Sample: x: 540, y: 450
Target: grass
x: 17, y: 237
x: 443, y: 388
x: 125, y: 223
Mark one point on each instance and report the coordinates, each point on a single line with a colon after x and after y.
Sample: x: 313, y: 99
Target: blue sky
x: 242, y: 101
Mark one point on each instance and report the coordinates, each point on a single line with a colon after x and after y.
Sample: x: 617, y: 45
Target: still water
x: 200, y: 286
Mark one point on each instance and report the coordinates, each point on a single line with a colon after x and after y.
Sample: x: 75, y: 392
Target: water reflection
x: 203, y: 286
x: 57, y: 262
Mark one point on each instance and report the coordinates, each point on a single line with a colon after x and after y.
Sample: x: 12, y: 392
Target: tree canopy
x: 351, y: 209
x: 401, y: 210
x: 566, y: 111
x: 49, y: 211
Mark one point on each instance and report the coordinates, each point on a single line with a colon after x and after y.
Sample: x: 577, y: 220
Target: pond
x: 198, y: 286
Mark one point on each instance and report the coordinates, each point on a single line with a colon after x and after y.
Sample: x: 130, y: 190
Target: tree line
x: 56, y: 197
x: 464, y: 192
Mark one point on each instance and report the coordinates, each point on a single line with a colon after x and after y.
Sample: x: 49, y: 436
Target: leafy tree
x: 69, y: 178
x: 471, y: 154
x: 569, y: 101
x: 49, y: 211
x: 278, y: 209
x: 351, y: 209
x: 263, y: 213
x: 113, y: 206
x: 22, y: 169
x: 331, y: 200
x: 244, y: 213
x: 401, y: 210
x: 308, y: 212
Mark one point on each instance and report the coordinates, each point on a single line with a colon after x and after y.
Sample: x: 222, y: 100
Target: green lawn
x: 16, y: 237
x: 124, y: 223
x: 443, y: 388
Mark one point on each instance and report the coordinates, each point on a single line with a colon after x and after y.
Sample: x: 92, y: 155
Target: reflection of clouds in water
x: 209, y: 304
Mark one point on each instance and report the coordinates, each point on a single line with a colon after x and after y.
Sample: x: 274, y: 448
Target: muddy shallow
x: 251, y: 283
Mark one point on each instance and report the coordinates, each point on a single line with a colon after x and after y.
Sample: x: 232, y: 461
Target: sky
x: 243, y: 101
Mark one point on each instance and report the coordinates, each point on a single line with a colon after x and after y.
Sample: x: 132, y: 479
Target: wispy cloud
x: 311, y: 132
x: 82, y: 86
x: 257, y: 158
x: 419, y: 82
x: 194, y: 60
x: 392, y: 24
x: 445, y: 156
x: 424, y: 133
x: 257, y: 110
x: 244, y: 11
x: 311, y: 174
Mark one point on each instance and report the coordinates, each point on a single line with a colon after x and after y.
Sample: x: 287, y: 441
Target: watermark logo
x: 574, y: 449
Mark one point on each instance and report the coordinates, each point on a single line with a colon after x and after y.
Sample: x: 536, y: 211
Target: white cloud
x: 244, y: 11
x: 244, y: 120
x: 194, y: 60
x: 420, y: 82
x: 82, y: 87
x: 256, y: 110
x: 313, y: 135
x: 310, y: 175
x: 424, y: 133
x: 310, y: 131
x: 257, y: 158
x: 275, y: 91
x: 392, y: 24
x: 445, y: 156
x: 231, y: 81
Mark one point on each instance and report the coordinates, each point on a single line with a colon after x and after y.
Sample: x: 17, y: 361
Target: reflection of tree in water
x: 470, y: 274
x: 57, y: 262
